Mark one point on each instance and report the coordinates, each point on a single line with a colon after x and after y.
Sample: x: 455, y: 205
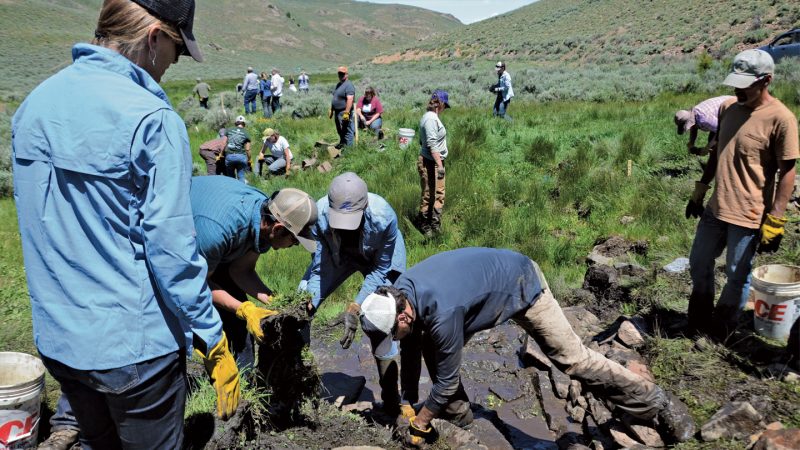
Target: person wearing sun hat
x: 704, y: 117
x: 435, y: 307
x: 756, y: 149
x: 118, y: 304
x: 430, y: 164
x: 357, y: 231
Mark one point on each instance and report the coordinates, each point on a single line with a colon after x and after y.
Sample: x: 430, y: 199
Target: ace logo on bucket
x: 766, y: 311
x: 15, y: 426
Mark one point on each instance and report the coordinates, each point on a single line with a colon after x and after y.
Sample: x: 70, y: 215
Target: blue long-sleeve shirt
x: 458, y: 293
x: 227, y: 217
x: 102, y: 170
x: 381, y: 248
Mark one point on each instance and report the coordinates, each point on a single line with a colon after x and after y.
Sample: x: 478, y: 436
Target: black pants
x: 239, y: 340
x: 204, y: 102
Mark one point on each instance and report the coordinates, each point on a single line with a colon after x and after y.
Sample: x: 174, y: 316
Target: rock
x: 642, y: 433
x: 625, y: 220
x: 788, y: 439
x: 621, y: 436
x: 561, y: 382
x: 629, y: 335
x: 578, y: 447
x: 334, y: 152
x: 755, y: 437
x: 325, y: 167
x: 630, y: 269
x: 735, y: 420
x: 574, y: 392
x: 584, y: 323
x: 599, y: 278
x: 456, y: 437
x: 554, y: 409
x: 622, y: 355
x: 599, y: 439
x: 600, y: 413
x: 616, y: 246
x: 531, y: 354
x: 487, y: 434
x: 595, y: 258
x: 641, y: 370
x: 678, y: 265
x: 577, y: 413
x: 308, y: 163
x: 361, y: 406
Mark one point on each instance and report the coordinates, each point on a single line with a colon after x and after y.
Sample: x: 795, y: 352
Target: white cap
x: 241, y: 119
x: 378, y: 317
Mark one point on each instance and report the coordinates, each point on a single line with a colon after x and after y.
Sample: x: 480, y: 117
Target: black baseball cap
x: 179, y: 13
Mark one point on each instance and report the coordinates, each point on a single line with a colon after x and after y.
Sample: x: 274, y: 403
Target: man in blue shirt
x: 357, y: 232
x: 438, y: 305
x: 250, y: 87
x: 235, y: 224
x: 118, y: 291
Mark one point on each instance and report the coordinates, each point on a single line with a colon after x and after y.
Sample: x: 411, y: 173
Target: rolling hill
x: 612, y: 31
x: 36, y: 35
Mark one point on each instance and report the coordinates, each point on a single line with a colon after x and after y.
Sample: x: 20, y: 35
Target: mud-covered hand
x: 695, y: 206
x: 440, y: 173
x: 253, y: 315
x: 415, y: 436
x: 221, y: 367
x: 346, y: 116
x: 771, y: 234
x: 330, y: 113
x: 350, y: 324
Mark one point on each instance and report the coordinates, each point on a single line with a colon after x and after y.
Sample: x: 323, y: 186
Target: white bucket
x: 404, y: 136
x: 776, y: 291
x: 21, y: 386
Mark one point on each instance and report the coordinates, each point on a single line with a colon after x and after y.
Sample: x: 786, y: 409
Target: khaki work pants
x: 545, y: 322
x: 430, y: 208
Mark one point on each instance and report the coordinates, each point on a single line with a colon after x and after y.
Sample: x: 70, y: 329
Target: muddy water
x: 500, y: 390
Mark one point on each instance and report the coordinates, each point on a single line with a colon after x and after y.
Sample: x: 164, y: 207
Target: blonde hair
x: 124, y: 25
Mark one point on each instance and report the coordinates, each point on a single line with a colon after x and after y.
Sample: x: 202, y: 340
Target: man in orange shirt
x: 757, y: 143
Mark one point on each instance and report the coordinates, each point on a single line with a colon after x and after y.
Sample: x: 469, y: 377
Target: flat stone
x: 456, y: 437
x: 642, y: 433
x: 599, y: 278
x: 621, y: 437
x: 341, y: 389
x: 625, y: 220
x: 756, y: 436
x: 678, y: 265
x: 487, y: 434
x: 553, y: 408
x: 595, y: 258
x: 599, y: 439
x: 532, y: 355
x: 325, y: 167
x: 561, y: 382
x: 622, y: 355
x: 578, y: 447
x: 629, y: 335
x: 735, y: 420
x: 629, y: 269
x: 788, y: 439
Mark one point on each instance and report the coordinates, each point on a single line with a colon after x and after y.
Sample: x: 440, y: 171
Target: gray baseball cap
x: 297, y: 211
x: 749, y: 66
x: 347, y: 200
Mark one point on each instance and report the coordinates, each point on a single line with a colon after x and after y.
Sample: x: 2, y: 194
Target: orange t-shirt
x: 750, y: 144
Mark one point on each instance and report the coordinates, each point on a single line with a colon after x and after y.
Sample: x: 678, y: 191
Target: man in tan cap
x: 342, y: 108
x: 235, y: 224
x: 757, y: 143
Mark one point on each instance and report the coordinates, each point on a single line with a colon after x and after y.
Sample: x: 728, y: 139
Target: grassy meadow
x: 549, y: 183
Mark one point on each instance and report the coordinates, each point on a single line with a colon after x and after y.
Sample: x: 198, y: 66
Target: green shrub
x: 630, y: 146
x: 704, y: 62
x: 541, y: 151
x: 756, y: 36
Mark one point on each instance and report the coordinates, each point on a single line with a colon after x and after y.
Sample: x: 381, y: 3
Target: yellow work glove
x: 346, y: 116
x: 221, y: 367
x: 416, y: 437
x: 695, y: 206
x: 253, y: 315
x: 407, y: 411
x: 771, y: 233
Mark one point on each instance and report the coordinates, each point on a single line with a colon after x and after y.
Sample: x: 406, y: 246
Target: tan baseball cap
x: 297, y: 211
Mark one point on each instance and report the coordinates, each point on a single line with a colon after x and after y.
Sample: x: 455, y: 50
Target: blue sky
x: 467, y: 11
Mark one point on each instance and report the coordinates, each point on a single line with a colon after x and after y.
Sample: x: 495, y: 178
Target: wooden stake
x: 630, y: 167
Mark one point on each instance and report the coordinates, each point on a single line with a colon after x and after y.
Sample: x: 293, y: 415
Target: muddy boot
x: 458, y: 413
x: 387, y: 378
x: 60, y: 440
x: 674, y: 421
x: 422, y: 223
x: 436, y: 221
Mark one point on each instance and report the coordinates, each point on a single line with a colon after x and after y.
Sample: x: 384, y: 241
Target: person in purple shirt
x: 369, y: 111
x: 704, y: 116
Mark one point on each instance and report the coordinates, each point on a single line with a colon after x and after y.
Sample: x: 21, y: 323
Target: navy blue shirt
x: 458, y: 293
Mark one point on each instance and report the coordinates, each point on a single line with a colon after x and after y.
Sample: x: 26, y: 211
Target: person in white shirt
x: 275, y: 154
x: 503, y: 90
x: 277, y: 90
